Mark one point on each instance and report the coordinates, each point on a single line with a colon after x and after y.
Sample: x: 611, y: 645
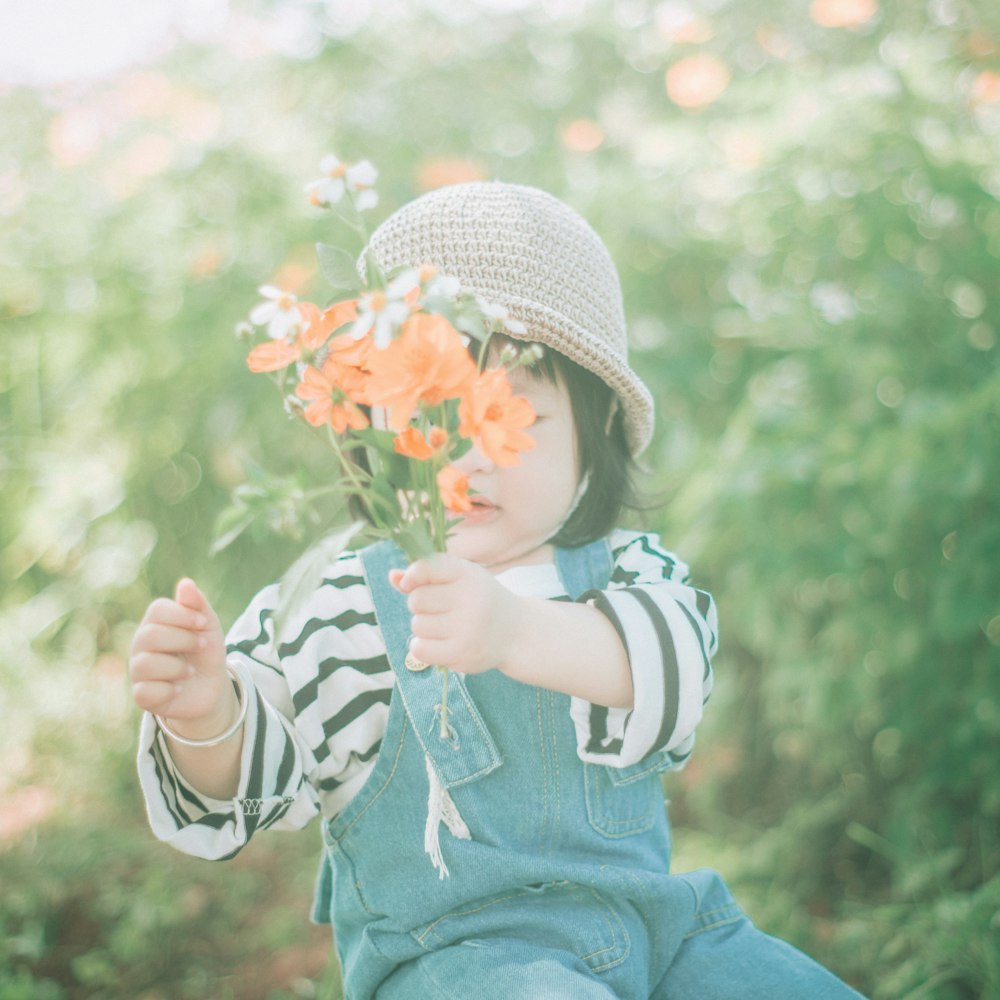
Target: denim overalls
x: 561, y: 890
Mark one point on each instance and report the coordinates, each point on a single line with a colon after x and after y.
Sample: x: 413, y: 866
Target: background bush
x: 807, y: 222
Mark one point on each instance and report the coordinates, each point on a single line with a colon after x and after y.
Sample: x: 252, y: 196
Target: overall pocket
x: 567, y: 917
x: 624, y: 801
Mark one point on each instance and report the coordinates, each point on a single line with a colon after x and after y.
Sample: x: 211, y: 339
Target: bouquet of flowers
x: 385, y: 372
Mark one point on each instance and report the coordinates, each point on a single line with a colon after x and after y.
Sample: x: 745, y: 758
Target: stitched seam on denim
x: 597, y: 810
x: 385, y: 785
x: 473, y: 712
x: 627, y: 945
x: 464, y: 913
x: 731, y: 919
x: 555, y: 764
x: 725, y: 908
x: 657, y: 765
x: 652, y: 930
x: 546, y: 839
x: 486, y: 740
x: 614, y: 937
x: 630, y: 822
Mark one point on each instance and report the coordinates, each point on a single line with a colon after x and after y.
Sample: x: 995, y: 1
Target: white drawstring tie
x: 440, y: 807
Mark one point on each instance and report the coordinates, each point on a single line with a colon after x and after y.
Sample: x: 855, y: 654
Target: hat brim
x: 554, y: 329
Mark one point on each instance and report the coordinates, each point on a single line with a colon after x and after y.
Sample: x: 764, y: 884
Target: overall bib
x: 562, y: 890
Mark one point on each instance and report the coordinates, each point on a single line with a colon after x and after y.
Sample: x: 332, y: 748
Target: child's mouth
x: 482, y: 510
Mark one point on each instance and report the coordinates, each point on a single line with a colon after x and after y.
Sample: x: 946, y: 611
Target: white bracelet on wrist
x: 222, y: 737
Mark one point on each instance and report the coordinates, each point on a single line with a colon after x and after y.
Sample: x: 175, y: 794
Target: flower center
x: 494, y: 412
x: 376, y: 301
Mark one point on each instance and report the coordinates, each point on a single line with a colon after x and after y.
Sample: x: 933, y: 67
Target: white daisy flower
x: 339, y: 179
x: 443, y: 286
x: 496, y: 314
x: 279, y: 312
x: 380, y: 313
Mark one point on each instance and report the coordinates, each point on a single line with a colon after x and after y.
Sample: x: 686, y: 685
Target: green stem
x: 346, y: 465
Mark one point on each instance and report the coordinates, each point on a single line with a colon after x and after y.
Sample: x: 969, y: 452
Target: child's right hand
x: 177, y: 663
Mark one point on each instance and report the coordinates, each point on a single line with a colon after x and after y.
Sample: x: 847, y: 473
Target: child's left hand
x: 462, y: 618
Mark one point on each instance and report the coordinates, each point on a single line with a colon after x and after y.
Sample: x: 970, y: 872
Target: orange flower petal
x: 319, y: 411
x: 494, y: 418
x: 454, y: 487
x: 340, y: 314
x: 413, y: 444
x: 427, y: 363
x: 314, y: 385
x: 272, y: 356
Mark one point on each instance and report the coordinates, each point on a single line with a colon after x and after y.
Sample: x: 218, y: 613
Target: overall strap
x: 585, y: 568
x: 469, y: 752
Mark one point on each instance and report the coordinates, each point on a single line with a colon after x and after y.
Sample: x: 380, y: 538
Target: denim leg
x: 494, y: 969
x: 724, y: 957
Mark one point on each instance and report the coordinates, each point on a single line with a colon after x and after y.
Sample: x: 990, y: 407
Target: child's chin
x: 463, y: 543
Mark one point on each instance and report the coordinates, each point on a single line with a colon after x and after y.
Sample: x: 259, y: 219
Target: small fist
x: 177, y: 661
x: 462, y: 619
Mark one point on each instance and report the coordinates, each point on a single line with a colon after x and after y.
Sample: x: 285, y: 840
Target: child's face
x: 518, y: 509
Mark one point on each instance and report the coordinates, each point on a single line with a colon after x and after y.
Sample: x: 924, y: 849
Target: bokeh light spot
x: 442, y: 171
x: 697, y: 81
x: 842, y: 13
x: 582, y: 135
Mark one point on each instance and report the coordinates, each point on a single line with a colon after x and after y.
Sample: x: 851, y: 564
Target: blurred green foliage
x: 810, y: 260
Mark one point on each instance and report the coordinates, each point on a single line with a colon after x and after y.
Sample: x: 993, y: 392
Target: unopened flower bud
x: 294, y: 407
x: 243, y: 330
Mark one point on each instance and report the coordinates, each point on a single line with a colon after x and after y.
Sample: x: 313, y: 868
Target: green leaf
x: 415, y: 540
x: 381, y: 440
x: 338, y: 267
x: 307, y: 571
x: 383, y: 503
x: 229, y: 525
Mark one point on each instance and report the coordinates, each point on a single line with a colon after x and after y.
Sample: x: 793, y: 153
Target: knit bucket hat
x: 525, y: 250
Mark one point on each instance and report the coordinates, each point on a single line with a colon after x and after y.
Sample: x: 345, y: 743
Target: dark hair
x: 602, y: 447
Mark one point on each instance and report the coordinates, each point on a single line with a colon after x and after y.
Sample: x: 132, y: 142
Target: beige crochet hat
x: 523, y: 249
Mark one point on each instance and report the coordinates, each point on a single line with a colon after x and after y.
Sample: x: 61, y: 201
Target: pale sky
x: 58, y: 41
x: 45, y: 42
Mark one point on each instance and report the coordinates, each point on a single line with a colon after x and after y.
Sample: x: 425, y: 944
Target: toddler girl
x: 522, y: 850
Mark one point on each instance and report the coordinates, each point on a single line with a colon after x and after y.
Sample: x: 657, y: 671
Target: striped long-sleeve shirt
x: 318, y: 695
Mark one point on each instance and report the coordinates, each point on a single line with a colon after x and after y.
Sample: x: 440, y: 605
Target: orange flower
x: 316, y: 328
x: 330, y: 404
x: 413, y: 444
x: 495, y: 418
x: 454, y: 487
x: 347, y: 366
x: 427, y: 363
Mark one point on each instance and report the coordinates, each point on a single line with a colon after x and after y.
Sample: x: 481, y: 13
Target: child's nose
x: 474, y: 460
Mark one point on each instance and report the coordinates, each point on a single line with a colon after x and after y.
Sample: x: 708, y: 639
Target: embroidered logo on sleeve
x: 253, y: 807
